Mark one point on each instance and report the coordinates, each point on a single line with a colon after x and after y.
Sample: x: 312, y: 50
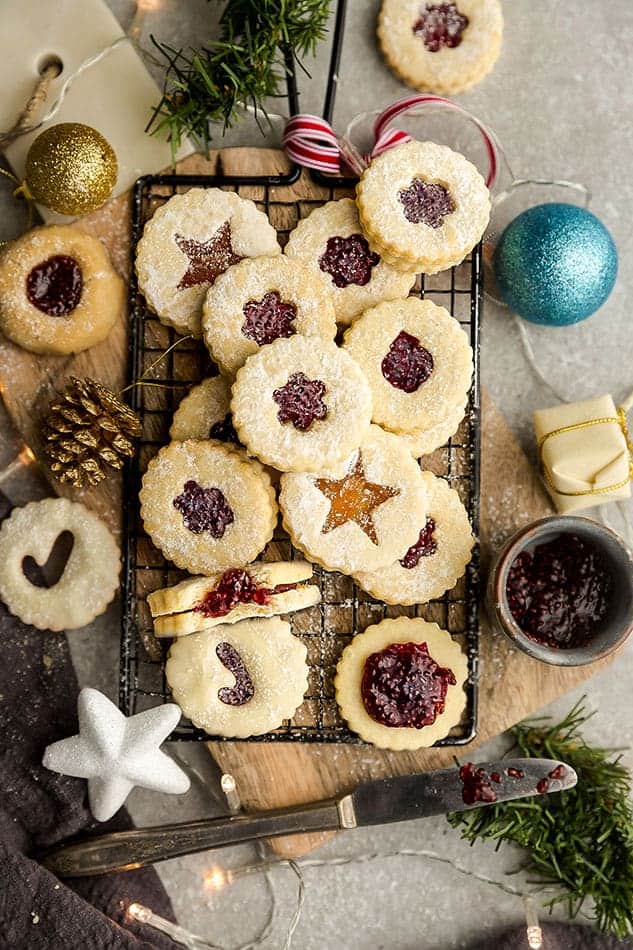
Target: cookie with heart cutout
x: 400, y: 683
x: 438, y: 557
x: 262, y: 589
x: 90, y: 577
x: 239, y: 680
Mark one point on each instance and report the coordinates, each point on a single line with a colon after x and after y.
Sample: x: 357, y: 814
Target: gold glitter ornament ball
x: 70, y: 168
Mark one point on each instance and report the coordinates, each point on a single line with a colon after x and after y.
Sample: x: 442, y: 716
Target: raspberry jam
x: 55, y: 285
x: 402, y: 686
x: 224, y: 430
x: 512, y: 772
x: 348, y: 260
x: 423, y: 547
x: 476, y: 785
x: 559, y: 592
x: 206, y: 259
x: 558, y: 773
x: 243, y: 691
x: 440, y: 24
x: 204, y: 509
x: 542, y: 786
x: 300, y: 401
x: 268, y: 319
x: 426, y: 203
x: 407, y: 364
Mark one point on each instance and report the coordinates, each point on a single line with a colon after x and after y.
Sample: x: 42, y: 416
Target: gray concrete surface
x: 560, y: 100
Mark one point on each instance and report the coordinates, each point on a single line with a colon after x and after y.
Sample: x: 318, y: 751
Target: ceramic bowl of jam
x: 562, y: 590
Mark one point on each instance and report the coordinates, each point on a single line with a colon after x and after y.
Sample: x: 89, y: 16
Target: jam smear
x: 224, y: 430
x: 558, y: 773
x: 542, y: 786
x: 300, y: 401
x: 268, y: 319
x: 559, y: 593
x: 243, y: 691
x: 402, y: 686
x: 440, y: 24
x: 55, y: 285
x: 206, y: 259
x: 348, y: 260
x: 515, y: 773
x: 204, y: 509
x: 426, y: 203
x: 407, y: 364
x: 477, y: 787
x: 423, y: 547
x: 236, y: 586
x: 353, y: 498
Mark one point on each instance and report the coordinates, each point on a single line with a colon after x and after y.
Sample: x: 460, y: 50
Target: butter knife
x: 378, y: 802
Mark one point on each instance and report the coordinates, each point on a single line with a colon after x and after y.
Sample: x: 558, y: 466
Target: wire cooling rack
x: 345, y: 609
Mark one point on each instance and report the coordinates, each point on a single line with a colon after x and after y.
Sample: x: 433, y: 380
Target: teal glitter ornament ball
x: 555, y: 264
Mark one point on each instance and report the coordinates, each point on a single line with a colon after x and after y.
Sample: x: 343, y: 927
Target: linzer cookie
x: 400, y: 684
x: 436, y: 560
x: 301, y: 404
x: 241, y: 679
x: 417, y: 360
x: 206, y: 506
x: 422, y: 442
x: 262, y: 589
x: 58, y: 290
x: 440, y: 47
x: 422, y: 206
x: 331, y: 244
x: 360, y: 518
x: 205, y: 413
x: 189, y: 242
x: 259, y: 301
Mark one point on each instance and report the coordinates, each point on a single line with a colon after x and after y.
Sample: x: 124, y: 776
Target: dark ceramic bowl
x: 617, y: 624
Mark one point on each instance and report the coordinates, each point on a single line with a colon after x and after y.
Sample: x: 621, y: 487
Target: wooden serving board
x: 512, y: 686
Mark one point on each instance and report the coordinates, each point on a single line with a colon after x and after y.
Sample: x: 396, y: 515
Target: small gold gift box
x: 584, y: 453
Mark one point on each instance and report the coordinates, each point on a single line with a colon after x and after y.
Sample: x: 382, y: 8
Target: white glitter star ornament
x: 116, y: 753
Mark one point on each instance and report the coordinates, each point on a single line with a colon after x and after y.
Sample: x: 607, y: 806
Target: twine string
x: 35, y: 102
x: 619, y: 420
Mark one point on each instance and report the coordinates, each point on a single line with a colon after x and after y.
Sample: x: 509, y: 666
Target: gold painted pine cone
x: 89, y: 431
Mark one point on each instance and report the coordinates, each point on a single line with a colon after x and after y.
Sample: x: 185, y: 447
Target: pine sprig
x: 244, y: 67
x: 581, y: 840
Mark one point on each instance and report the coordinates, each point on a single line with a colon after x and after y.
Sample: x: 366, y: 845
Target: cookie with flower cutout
x: 301, y: 404
x: 262, y: 589
x: 440, y: 47
x: 89, y: 579
x: 239, y: 680
x: 206, y: 506
x: 205, y: 413
x: 358, y: 517
x: 259, y: 301
x: 331, y: 244
x: 59, y: 293
x: 422, y: 206
x: 188, y: 242
x: 400, y: 684
x: 438, y: 557
x: 417, y: 360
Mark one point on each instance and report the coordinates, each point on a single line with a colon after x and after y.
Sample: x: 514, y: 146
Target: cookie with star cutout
x: 239, y: 680
x: 422, y: 206
x: 206, y: 506
x: 400, y: 683
x: 188, y: 242
x: 440, y: 47
x: 331, y: 245
x: 259, y: 301
x: 360, y: 518
x: 301, y: 404
x: 436, y: 560
x: 417, y: 360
